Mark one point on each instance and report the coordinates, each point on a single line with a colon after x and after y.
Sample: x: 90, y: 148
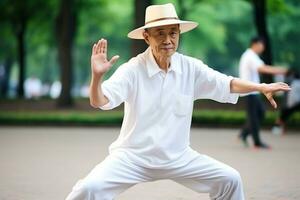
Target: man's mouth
x: 167, y: 48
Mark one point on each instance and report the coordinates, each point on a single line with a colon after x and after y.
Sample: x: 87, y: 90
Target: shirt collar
x: 153, y: 68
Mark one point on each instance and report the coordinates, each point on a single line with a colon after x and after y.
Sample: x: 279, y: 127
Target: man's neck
x: 254, y: 50
x: 163, y: 62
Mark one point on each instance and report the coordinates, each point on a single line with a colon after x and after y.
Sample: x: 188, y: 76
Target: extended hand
x: 269, y: 89
x: 99, y: 62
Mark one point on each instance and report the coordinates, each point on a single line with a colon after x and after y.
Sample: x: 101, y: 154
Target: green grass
x: 216, y: 118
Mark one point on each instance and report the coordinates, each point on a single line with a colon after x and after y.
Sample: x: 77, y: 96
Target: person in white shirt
x: 158, y: 88
x: 250, y: 68
x: 33, y: 87
x: 292, y: 104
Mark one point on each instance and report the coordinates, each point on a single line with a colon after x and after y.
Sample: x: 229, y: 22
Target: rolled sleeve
x: 211, y: 84
x: 110, y: 105
x: 228, y: 96
x: 256, y: 62
x: 117, y: 88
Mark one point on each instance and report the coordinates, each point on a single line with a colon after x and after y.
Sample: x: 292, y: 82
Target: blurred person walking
x: 292, y: 104
x: 33, y: 88
x: 250, y: 68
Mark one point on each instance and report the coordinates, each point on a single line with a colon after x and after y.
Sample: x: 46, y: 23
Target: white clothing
x: 154, y: 139
x: 159, y: 105
x: 118, y: 173
x: 33, y: 88
x: 55, y: 89
x: 293, y: 96
x: 248, y: 67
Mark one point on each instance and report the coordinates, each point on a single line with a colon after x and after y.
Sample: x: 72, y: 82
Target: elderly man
x: 158, y: 88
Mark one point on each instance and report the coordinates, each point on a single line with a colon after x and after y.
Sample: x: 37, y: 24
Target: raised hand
x: 99, y: 62
x: 269, y: 89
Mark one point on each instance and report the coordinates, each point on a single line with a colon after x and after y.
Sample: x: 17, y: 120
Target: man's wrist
x: 96, y: 80
x: 97, y: 77
x: 261, y: 87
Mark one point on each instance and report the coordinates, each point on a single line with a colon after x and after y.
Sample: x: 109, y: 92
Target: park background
x: 49, y: 43
x: 50, y: 136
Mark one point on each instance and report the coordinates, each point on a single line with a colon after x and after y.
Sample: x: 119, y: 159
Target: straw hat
x: 161, y: 15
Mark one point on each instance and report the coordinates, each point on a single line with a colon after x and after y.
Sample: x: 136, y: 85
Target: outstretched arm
x: 241, y: 86
x: 273, y: 70
x: 99, y: 66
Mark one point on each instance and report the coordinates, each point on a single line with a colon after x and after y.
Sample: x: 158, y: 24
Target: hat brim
x: 185, y: 26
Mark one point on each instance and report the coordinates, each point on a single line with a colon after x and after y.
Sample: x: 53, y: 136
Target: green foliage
x: 283, y: 26
x: 108, y: 19
x: 224, y: 30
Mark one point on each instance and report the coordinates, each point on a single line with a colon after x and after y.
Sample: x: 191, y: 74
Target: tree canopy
x: 224, y: 31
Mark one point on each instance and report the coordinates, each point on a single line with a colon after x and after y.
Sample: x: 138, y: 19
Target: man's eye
x: 173, y: 33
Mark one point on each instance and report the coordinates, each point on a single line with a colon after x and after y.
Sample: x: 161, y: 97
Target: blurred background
x: 45, y: 49
x: 47, y: 141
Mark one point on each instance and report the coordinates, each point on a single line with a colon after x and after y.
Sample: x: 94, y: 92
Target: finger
x: 283, y: 84
x: 114, y: 59
x: 104, y: 49
x: 284, y: 87
x: 94, y: 49
x: 272, y: 101
x: 281, y: 87
x: 99, y: 45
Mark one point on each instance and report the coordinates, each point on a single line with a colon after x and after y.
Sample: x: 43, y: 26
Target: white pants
x: 117, y: 173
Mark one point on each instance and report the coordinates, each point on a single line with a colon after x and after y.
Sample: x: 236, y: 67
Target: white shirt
x: 248, y: 68
x: 158, y: 106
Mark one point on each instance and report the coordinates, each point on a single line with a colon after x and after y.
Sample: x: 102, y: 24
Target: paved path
x: 44, y: 163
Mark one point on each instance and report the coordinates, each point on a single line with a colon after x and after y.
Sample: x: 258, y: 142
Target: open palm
x: 269, y: 90
x: 99, y: 62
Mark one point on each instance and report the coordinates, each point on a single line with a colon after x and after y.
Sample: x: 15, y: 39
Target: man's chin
x: 168, y: 53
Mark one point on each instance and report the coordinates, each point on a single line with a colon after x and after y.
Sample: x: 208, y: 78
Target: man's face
x: 260, y: 47
x: 163, y: 40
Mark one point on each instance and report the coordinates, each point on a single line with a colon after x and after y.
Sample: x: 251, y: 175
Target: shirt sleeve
x: 256, y: 62
x: 118, y: 87
x: 211, y: 84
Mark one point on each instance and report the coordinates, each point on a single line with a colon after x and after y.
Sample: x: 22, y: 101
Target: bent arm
x: 243, y: 86
x: 97, y: 98
x: 99, y: 66
x: 273, y: 70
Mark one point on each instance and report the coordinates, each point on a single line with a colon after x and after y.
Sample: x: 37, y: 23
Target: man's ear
x: 146, y: 37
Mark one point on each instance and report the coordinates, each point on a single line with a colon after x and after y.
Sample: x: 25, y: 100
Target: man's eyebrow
x: 162, y: 29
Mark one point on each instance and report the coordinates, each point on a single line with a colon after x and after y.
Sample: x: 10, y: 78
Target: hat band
x: 159, y: 19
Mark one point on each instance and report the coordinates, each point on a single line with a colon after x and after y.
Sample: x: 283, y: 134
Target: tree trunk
x: 138, y: 46
x: 65, y: 29
x: 21, y: 55
x: 6, y: 76
x: 259, y: 8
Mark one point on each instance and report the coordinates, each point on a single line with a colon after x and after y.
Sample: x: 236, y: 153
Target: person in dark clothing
x: 292, y: 104
x: 250, y: 66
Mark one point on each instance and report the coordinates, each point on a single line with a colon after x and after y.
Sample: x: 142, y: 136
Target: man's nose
x: 167, y: 39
